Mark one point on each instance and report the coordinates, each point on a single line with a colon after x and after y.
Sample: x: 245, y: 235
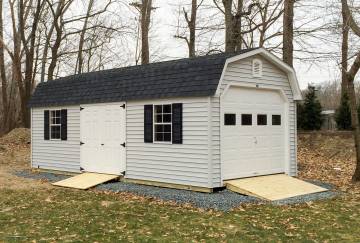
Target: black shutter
x: 63, y: 124
x: 148, y: 123
x: 177, y: 121
x: 46, y: 125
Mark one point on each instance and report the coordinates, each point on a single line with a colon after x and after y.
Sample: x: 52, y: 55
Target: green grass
x: 69, y: 215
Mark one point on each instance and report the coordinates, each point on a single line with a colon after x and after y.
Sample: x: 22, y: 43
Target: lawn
x: 71, y: 215
x: 35, y: 211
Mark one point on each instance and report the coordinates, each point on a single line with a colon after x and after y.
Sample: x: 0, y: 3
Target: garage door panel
x: 257, y: 149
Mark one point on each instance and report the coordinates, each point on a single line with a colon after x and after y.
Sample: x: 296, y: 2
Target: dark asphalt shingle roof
x: 188, y: 77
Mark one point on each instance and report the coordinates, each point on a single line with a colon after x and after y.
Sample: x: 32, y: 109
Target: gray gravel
x: 223, y: 200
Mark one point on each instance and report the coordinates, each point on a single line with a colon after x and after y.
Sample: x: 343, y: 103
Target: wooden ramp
x: 85, y: 180
x: 272, y: 187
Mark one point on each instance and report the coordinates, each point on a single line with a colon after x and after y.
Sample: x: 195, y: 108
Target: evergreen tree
x: 312, y: 118
x: 343, y: 114
x: 300, y: 115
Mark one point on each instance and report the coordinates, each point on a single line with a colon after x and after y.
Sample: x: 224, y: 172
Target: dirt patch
x: 15, y: 155
x: 16, y: 136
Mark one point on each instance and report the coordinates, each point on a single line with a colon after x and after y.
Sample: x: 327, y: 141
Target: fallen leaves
x: 328, y: 157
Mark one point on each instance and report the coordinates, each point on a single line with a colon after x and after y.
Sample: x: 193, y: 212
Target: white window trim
x: 257, y: 61
x: 54, y: 125
x: 162, y: 123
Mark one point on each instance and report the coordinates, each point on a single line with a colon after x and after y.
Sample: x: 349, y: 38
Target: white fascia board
x: 294, y: 84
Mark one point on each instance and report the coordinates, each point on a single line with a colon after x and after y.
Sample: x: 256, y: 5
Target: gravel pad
x: 223, y: 200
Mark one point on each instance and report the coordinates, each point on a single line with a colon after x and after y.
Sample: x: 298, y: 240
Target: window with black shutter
x: 63, y: 130
x: 148, y: 123
x: 55, y: 124
x: 163, y: 123
x: 177, y: 123
x: 46, y: 125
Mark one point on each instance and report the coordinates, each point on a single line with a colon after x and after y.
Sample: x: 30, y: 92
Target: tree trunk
x: 344, y: 53
x: 350, y: 77
x: 229, y: 26
x: 145, y: 11
x: 288, y: 32
x: 54, y: 52
x: 4, y: 91
x: 192, y: 26
x: 45, y: 53
x: 80, y: 61
x: 29, y: 47
x: 355, y: 126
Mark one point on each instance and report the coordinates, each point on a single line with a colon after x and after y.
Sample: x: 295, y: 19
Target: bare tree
x: 344, y: 52
x: 29, y: 44
x: 350, y: 77
x: 288, y: 32
x: 233, y: 22
x: 144, y: 7
x: 4, y: 83
x: 191, y: 25
x: 58, y: 22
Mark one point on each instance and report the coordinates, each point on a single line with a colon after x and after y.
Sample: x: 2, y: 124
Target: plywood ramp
x: 85, y: 180
x: 272, y: 187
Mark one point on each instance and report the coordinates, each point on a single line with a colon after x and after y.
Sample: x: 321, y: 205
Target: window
x: 163, y: 123
x: 276, y: 120
x: 246, y: 119
x: 55, y: 124
x: 256, y: 68
x: 229, y: 119
x: 262, y: 120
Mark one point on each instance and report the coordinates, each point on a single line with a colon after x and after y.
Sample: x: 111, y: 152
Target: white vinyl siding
x: 62, y: 155
x: 215, y: 141
x: 187, y: 163
x: 241, y: 72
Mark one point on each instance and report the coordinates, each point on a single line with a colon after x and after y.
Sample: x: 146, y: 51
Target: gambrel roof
x: 188, y: 77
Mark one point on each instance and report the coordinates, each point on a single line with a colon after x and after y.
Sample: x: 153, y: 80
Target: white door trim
x: 124, y: 122
x: 286, y: 120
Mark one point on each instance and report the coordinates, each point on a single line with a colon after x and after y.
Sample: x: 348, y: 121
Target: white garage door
x: 102, y: 135
x: 253, y: 133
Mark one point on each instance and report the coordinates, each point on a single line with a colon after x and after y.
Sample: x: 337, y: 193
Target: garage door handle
x: 102, y: 144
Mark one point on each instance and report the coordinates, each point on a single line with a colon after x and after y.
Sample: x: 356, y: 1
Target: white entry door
x: 253, y: 137
x: 102, y: 136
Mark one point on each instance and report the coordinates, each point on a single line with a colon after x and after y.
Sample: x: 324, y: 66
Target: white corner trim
x: 294, y: 84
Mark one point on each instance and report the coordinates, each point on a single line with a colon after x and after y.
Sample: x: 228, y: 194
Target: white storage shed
x: 190, y: 122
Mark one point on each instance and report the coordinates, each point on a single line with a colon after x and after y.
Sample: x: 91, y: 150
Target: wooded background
x: 41, y: 40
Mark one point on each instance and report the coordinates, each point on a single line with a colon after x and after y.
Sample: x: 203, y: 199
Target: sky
x: 313, y: 71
